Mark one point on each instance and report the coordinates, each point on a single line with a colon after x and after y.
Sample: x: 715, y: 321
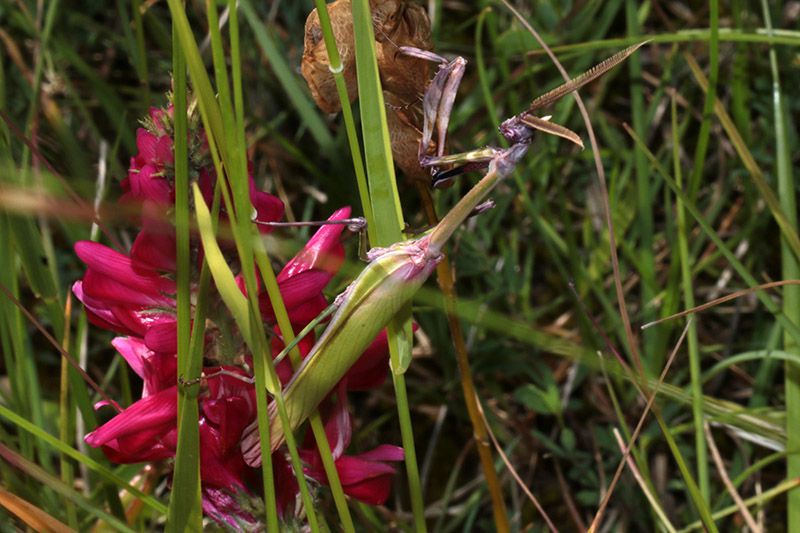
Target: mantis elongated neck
x: 461, y: 211
x: 501, y: 166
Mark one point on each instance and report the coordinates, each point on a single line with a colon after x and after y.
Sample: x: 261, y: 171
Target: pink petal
x: 98, y: 313
x: 146, y: 419
x: 163, y: 337
x: 268, y: 208
x: 384, y: 452
x: 118, y: 267
x: 355, y: 469
x: 133, y: 319
x: 303, y: 288
x: 149, y: 183
x: 154, y: 247
x: 133, y: 351
x: 323, y: 251
x: 217, y: 467
x: 113, y: 292
x: 163, y: 154
x: 372, y: 491
x: 146, y: 143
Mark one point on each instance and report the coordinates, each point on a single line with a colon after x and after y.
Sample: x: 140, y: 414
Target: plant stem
x: 185, y: 508
x: 791, y: 294
x: 445, y: 277
x: 653, y: 352
x: 335, y: 62
x: 694, y: 350
x: 386, y: 229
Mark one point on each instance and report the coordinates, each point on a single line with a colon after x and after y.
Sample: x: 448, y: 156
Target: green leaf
x: 542, y: 401
x: 223, y: 277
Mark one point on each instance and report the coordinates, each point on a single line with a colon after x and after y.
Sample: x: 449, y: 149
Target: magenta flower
x: 367, y: 476
x: 133, y: 294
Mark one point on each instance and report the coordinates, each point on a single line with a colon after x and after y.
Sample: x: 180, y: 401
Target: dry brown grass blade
x: 643, y: 484
x: 598, y: 518
x: 589, y: 76
x: 513, y: 470
x: 726, y: 480
x: 723, y: 299
x: 34, y: 517
x: 545, y: 126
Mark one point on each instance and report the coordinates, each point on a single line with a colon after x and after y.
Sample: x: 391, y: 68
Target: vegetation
x: 698, y: 143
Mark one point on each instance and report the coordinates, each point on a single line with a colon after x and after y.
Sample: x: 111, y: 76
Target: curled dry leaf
x: 396, y: 23
x: 407, y: 25
x: 405, y: 131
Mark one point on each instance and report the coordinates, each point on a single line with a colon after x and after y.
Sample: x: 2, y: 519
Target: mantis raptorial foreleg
x: 438, y: 104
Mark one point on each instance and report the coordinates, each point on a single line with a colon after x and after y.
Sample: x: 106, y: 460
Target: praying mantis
x: 394, y: 274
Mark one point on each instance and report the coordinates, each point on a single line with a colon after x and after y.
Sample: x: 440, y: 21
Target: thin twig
x: 643, y: 485
x: 723, y: 299
x: 726, y: 480
x: 650, y: 399
x: 513, y: 471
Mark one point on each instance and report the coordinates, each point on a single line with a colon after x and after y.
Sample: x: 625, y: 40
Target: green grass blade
x: 701, y: 147
x: 388, y: 226
x: 653, y: 354
x: 336, y: 68
x: 36, y: 472
x: 693, y: 344
x: 234, y: 300
x: 93, y: 465
x: 212, y: 116
x: 185, y: 507
x: 790, y: 270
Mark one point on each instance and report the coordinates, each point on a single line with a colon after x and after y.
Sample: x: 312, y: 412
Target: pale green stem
x: 791, y: 295
x: 336, y: 69
x: 694, y: 349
